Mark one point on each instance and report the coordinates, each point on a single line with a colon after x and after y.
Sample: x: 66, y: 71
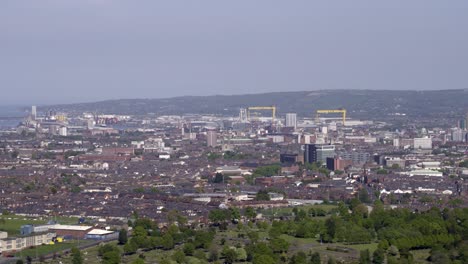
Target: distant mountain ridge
x: 359, y: 103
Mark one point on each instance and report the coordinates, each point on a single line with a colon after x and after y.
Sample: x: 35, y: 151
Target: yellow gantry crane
x: 339, y: 111
x: 272, y: 108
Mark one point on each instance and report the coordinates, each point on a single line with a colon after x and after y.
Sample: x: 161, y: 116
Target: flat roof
x: 70, y: 227
x: 100, y: 232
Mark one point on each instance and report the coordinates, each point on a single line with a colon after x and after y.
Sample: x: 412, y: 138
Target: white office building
x: 291, y: 120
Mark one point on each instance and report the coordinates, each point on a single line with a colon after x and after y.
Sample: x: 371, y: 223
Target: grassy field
x: 13, y: 223
x: 90, y: 256
x: 420, y: 256
x: 46, y: 249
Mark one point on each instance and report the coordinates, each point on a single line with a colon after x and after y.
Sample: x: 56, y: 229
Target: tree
x: 279, y: 245
x: 250, y: 213
x: 219, y: 178
x: 262, y: 195
x: 107, y: 248
x: 379, y: 256
x: 267, y: 171
x: 138, y: 261
x: 217, y: 215
x: 263, y: 259
x: 200, y: 254
x: 229, y: 254
x: 139, y: 231
x: 77, y: 258
x: 364, y: 195
x: 179, y: 256
x: 123, y: 238
x: 241, y: 254
x: 130, y: 247
x: 253, y: 236
x: 213, y: 254
x: 330, y: 227
x: 203, y: 239
x: 111, y: 257
x: 167, y: 242
x: 299, y: 258
x: 364, y: 257
x: 315, y: 258
x: 235, y: 214
x: 189, y: 248
x: 383, y: 244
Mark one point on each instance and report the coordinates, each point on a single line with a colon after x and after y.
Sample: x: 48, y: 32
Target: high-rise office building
x: 291, y: 120
x: 243, y: 115
x: 458, y: 135
x: 318, y: 153
x: 462, y: 124
x: 211, y: 138
x: 34, y: 112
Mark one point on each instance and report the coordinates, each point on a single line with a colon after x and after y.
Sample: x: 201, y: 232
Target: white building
x: 291, y: 120
x: 34, y: 112
x: 63, y: 131
x: 423, y: 143
x: 19, y: 243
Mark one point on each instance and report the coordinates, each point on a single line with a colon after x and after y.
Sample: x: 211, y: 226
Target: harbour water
x: 11, y: 116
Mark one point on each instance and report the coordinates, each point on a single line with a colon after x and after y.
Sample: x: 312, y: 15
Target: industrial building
x: 71, y: 231
x: 99, y: 234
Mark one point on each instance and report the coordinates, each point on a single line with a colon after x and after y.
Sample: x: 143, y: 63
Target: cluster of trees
x: 266, y: 171
x: 317, y: 167
x: 464, y: 164
x: 397, y: 231
x: 222, y: 217
x: 147, y: 236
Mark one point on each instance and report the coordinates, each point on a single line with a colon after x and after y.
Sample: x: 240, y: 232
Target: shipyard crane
x: 272, y: 108
x: 339, y: 111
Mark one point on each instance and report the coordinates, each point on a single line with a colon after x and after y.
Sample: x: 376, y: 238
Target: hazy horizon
x: 84, y: 51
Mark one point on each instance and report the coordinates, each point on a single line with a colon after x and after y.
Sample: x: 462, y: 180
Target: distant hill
x: 359, y: 103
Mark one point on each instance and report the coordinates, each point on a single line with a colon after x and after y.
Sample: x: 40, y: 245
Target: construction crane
x: 272, y: 108
x: 339, y: 111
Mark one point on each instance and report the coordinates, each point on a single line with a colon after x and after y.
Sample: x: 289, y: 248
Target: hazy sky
x: 85, y: 50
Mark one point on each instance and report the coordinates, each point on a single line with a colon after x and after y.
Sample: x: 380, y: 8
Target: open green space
x: 46, y: 249
x: 12, y: 223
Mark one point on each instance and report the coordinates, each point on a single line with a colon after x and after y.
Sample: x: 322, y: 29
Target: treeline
x: 397, y: 232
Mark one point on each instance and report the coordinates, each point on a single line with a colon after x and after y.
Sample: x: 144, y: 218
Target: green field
x: 45, y: 249
x: 13, y: 223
